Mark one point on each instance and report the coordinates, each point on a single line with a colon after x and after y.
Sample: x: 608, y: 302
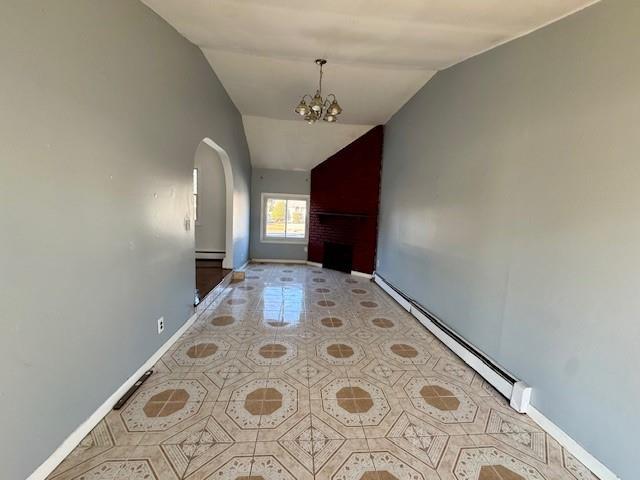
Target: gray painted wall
x: 103, y: 105
x: 510, y: 209
x: 264, y: 180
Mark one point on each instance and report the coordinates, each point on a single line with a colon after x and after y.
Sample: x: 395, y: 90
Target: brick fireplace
x: 345, y: 192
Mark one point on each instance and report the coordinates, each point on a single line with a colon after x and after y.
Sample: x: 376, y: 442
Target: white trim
x: 227, y: 262
x: 392, y: 293
x: 210, y: 255
x: 503, y: 386
x: 499, y: 383
x: 314, y: 264
x: 196, y: 222
x: 277, y: 260
x: 244, y: 266
x: 288, y: 241
x: 360, y: 274
x: 73, y: 440
x: 573, y: 447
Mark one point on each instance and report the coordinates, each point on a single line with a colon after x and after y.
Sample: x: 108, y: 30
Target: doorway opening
x: 212, y: 216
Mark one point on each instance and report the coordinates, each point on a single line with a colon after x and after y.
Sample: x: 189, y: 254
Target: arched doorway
x: 213, y: 215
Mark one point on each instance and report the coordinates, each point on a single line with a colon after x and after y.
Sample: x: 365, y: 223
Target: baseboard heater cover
x: 518, y: 392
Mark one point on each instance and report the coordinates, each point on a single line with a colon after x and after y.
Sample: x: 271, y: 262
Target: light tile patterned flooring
x: 304, y: 373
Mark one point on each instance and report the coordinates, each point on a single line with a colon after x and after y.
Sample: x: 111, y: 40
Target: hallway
x: 303, y: 373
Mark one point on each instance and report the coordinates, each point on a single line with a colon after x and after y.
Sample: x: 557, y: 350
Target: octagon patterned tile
x: 306, y: 372
x: 186, y: 431
x: 340, y: 351
x: 405, y: 351
x: 229, y: 463
x: 120, y: 463
x: 494, y: 416
x: 299, y: 372
x: 443, y: 401
x: 354, y: 403
x: 262, y: 405
x: 272, y: 352
x: 199, y: 352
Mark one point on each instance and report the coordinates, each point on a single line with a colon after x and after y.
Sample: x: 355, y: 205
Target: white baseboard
x: 573, y: 447
x: 314, y: 264
x: 277, y: 260
x: 360, y: 274
x: 392, y: 293
x: 73, y: 440
x: 210, y: 256
x: 498, y: 382
x: 502, y: 385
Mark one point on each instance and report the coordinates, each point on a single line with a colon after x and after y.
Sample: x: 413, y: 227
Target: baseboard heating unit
x: 518, y: 392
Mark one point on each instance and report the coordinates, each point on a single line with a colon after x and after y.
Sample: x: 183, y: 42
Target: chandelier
x: 317, y: 106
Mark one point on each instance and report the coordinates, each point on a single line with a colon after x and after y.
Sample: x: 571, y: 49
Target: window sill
x: 284, y: 242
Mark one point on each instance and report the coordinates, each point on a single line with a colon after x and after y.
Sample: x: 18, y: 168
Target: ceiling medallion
x: 317, y: 106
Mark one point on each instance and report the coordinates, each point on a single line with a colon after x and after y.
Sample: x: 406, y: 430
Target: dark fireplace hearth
x: 338, y: 256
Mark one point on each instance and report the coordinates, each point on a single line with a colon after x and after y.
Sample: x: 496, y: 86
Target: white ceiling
x: 380, y: 53
x: 305, y: 146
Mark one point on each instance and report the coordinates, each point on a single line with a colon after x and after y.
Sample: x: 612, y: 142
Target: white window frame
x: 263, y: 219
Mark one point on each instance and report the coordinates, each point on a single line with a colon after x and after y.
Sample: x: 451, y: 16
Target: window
x: 284, y: 218
x: 195, y: 194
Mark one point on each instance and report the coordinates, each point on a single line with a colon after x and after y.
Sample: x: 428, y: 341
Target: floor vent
x: 121, y: 402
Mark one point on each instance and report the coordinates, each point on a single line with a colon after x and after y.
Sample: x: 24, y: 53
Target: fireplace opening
x: 338, y: 256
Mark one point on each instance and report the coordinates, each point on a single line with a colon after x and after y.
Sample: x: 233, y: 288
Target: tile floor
x: 304, y: 373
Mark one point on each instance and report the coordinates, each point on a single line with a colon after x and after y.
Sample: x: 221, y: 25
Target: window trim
x: 286, y: 196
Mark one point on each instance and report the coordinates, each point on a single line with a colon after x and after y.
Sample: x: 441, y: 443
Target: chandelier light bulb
x: 311, y: 117
x: 334, y: 108
x: 316, y: 103
x: 302, y: 108
x: 329, y: 118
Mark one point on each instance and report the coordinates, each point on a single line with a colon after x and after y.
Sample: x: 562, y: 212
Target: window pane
x: 275, y: 217
x: 296, y: 218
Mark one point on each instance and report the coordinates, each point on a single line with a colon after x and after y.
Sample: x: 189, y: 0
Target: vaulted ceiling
x: 380, y: 53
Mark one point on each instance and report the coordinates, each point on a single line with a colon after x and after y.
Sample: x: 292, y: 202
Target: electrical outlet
x: 160, y: 325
